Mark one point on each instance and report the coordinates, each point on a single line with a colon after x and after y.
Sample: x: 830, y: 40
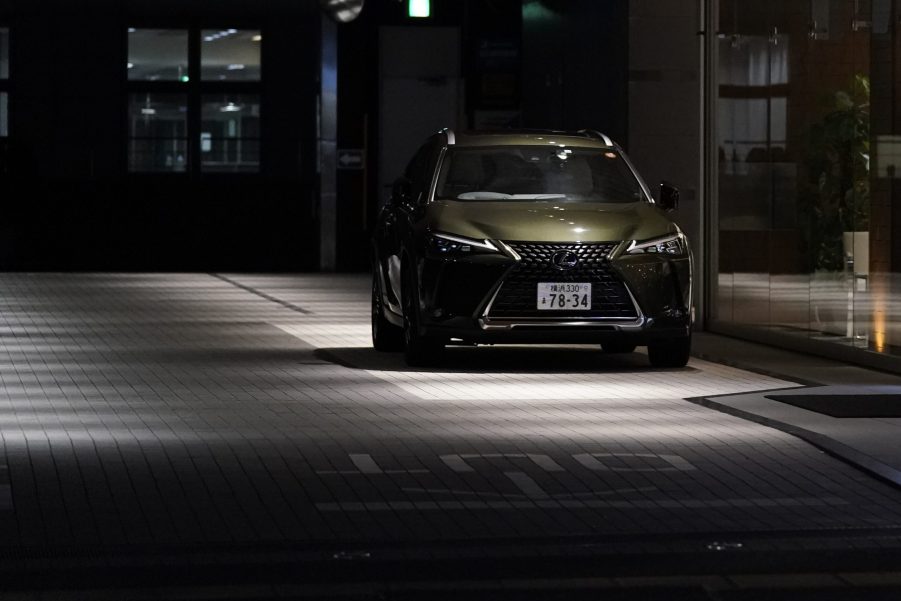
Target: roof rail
x: 593, y: 133
x: 451, y: 139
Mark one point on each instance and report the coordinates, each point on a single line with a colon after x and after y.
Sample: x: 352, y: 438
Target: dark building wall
x: 575, y: 65
x: 665, y: 104
x: 482, y: 24
x: 68, y: 202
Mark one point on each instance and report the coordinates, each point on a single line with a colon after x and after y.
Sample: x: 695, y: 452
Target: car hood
x: 543, y: 221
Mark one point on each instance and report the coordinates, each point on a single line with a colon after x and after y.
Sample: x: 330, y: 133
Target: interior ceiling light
x: 148, y: 111
x: 231, y: 107
x: 235, y: 67
x: 220, y: 34
x: 342, y: 11
x: 257, y: 38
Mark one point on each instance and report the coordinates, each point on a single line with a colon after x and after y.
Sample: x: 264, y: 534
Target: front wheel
x: 386, y: 336
x: 670, y: 353
x: 419, y: 350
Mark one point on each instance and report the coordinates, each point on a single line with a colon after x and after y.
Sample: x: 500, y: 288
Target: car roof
x: 584, y: 138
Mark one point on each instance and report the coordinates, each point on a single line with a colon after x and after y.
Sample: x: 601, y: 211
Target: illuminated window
x: 230, y: 132
x: 157, y: 132
x: 194, y: 100
x: 157, y: 55
x: 230, y: 54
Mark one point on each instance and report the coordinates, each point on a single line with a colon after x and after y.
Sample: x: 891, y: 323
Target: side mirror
x: 401, y: 191
x: 669, y: 197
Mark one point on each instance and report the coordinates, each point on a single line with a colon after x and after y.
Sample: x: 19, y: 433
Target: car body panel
x: 544, y: 221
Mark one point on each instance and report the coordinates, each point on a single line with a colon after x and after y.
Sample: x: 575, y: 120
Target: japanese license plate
x: 568, y: 296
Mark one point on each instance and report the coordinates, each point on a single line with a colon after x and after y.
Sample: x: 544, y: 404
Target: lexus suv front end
x: 532, y: 237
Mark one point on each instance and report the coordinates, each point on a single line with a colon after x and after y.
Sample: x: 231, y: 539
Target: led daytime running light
x: 670, y: 245
x: 486, y: 244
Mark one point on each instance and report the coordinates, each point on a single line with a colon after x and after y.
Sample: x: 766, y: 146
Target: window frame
x: 195, y: 89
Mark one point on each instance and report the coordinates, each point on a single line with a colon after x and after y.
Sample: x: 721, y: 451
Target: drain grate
x: 845, y: 405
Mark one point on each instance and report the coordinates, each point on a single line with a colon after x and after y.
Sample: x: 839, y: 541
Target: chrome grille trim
x: 514, y: 298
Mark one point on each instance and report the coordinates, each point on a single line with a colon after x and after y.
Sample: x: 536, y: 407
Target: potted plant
x: 835, y: 197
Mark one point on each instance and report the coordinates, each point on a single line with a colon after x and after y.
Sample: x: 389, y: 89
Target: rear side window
x: 537, y: 173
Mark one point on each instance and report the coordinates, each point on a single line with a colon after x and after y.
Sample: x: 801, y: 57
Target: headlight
x: 674, y: 245
x: 450, y: 244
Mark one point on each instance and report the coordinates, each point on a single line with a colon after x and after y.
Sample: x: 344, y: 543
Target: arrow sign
x: 350, y: 158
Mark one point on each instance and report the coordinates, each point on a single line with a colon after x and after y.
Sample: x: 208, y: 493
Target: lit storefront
x: 805, y: 249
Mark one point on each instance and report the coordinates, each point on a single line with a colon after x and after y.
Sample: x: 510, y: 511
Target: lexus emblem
x: 564, y: 259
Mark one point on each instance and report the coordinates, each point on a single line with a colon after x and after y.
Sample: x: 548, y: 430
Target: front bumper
x: 459, y: 301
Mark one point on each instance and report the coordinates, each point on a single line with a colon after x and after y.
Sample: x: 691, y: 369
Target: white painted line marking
x: 642, y: 504
x: 600, y: 493
x: 575, y: 495
x: 365, y: 463
x: 421, y: 471
x: 677, y: 463
x: 546, y: 463
x: 458, y: 462
x: 527, y: 485
x: 359, y: 473
x: 473, y: 493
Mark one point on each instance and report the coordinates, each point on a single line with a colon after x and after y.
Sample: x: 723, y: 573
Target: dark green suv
x: 529, y: 237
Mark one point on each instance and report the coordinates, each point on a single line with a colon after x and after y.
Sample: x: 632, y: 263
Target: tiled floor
x: 187, y: 409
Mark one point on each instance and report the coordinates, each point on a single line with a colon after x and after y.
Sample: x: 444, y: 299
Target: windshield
x: 555, y: 173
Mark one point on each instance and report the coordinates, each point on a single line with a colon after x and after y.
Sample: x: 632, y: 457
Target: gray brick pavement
x: 186, y: 409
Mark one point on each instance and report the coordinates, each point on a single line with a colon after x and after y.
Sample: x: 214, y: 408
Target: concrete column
x: 665, y: 139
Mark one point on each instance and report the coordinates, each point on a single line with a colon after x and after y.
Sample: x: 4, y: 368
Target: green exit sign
x: 419, y: 8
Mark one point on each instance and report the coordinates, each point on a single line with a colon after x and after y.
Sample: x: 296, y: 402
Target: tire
x: 419, y: 351
x: 618, y: 346
x: 670, y: 353
x: 386, y: 337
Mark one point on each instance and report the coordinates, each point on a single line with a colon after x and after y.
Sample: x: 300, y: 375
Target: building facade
x: 159, y: 135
